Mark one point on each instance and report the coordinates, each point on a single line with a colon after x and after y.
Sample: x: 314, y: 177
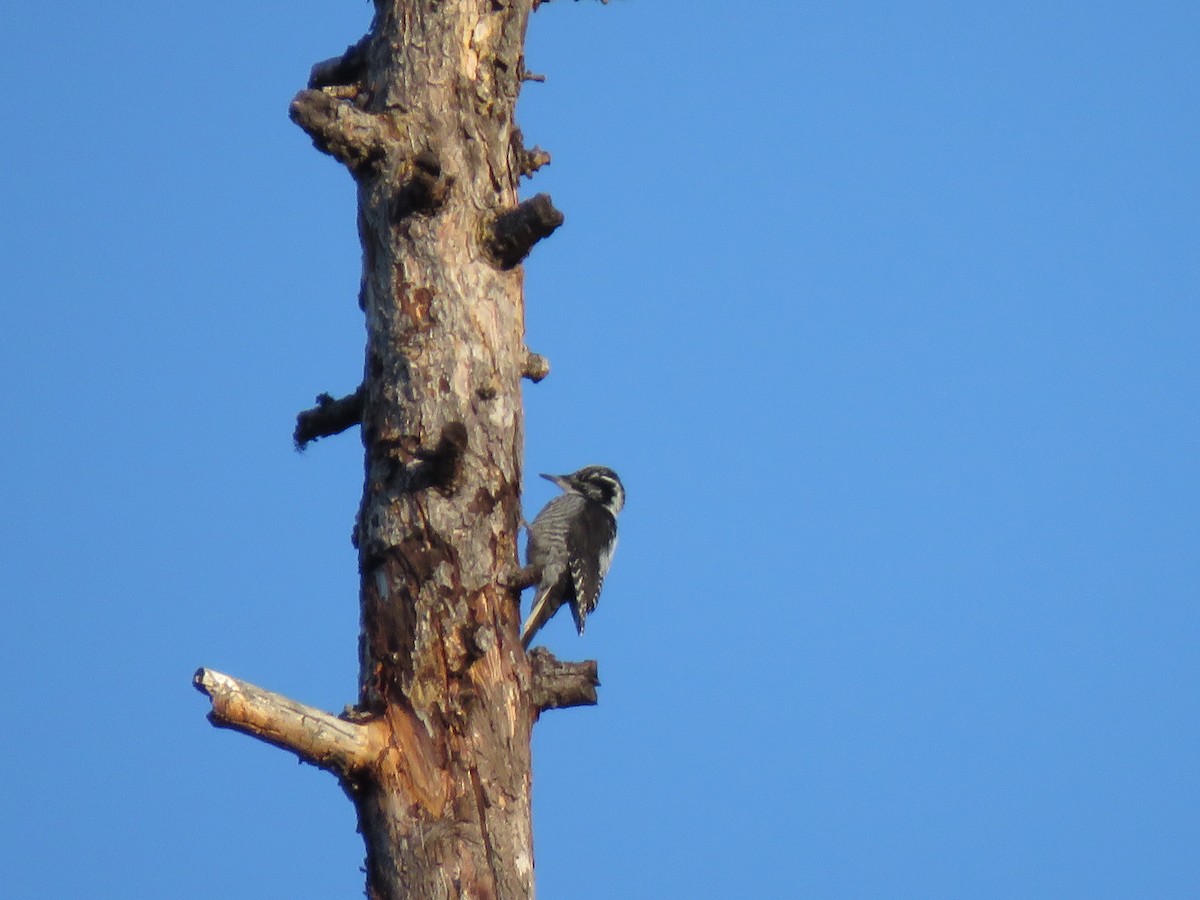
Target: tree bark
x: 435, y: 753
x: 447, y: 813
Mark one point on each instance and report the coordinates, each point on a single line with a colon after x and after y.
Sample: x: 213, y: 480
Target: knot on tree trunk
x: 425, y: 189
x: 355, y: 138
x: 536, y: 367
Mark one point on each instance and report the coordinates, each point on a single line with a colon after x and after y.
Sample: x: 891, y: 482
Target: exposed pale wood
x: 315, y: 736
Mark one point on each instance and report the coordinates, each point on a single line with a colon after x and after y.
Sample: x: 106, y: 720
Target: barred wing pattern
x: 547, y: 548
x: 589, y: 567
x: 572, y: 540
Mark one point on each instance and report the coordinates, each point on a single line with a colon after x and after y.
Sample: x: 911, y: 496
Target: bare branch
x: 316, y: 737
x: 328, y: 417
x: 525, y: 75
x: 512, y: 234
x: 338, y: 127
x: 557, y: 685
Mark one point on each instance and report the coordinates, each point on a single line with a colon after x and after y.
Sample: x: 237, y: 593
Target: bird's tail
x: 539, y: 615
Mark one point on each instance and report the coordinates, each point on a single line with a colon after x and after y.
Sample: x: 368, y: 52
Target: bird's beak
x: 560, y: 480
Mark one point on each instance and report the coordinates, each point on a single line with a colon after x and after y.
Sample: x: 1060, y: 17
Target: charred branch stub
x: 328, y: 417
x: 355, y: 138
x: 555, y: 684
x: 346, y: 69
x: 512, y: 234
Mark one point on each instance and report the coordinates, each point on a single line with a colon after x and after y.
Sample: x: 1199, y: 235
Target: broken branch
x: 556, y: 685
x: 512, y: 234
x: 315, y: 736
x: 532, y: 160
x: 328, y: 417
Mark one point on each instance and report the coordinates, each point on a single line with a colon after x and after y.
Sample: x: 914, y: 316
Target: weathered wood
x: 421, y: 111
x: 536, y: 367
x: 317, y: 737
x: 556, y: 684
x: 441, y: 662
x: 512, y: 234
x: 532, y: 160
x: 328, y: 417
x: 340, y: 128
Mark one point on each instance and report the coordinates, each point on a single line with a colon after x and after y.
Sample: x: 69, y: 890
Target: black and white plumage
x: 572, y: 542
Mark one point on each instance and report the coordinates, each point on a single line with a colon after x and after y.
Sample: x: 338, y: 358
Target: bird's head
x: 598, y: 483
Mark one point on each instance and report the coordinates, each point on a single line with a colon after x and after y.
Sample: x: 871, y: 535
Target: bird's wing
x: 546, y: 548
x: 589, y: 559
x: 547, y: 534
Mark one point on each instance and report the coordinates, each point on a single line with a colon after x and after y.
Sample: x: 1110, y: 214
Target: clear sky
x: 887, y: 315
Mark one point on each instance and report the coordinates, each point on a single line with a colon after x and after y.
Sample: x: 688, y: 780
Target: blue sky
x: 885, y: 313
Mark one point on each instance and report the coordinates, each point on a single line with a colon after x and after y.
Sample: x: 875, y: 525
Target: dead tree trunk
x: 435, y: 753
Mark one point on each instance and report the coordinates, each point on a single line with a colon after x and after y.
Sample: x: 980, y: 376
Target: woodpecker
x: 572, y: 541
